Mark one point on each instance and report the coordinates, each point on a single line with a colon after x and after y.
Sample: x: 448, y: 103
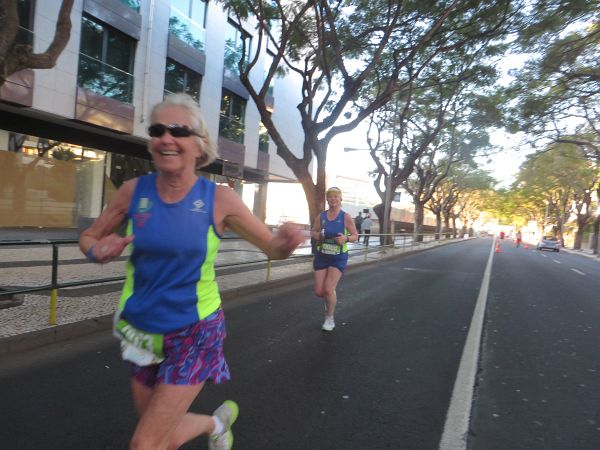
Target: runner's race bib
x: 137, y: 346
x: 328, y: 248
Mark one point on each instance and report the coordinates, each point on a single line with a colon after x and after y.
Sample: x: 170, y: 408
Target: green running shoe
x: 227, y: 414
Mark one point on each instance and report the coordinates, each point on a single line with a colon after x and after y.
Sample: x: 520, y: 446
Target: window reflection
x: 179, y: 78
x: 186, y: 22
x: 25, y: 30
x: 106, y: 61
x: 133, y: 4
x: 233, y: 114
x: 234, y: 49
x: 47, y: 183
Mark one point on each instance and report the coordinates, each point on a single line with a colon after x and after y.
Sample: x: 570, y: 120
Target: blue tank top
x: 332, y: 228
x: 170, y: 281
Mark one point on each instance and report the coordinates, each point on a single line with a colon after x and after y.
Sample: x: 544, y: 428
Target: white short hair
x: 180, y: 100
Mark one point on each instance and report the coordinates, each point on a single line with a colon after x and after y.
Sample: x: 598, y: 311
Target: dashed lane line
x: 578, y: 271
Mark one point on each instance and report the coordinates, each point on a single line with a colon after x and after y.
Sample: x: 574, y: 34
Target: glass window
x: 47, y: 183
x: 182, y: 5
x: 263, y: 138
x: 133, y: 4
x: 233, y: 114
x: 118, y: 50
x: 187, y: 20
x: 234, y: 47
x: 106, y: 61
x: 25, y: 30
x: 198, y: 12
x: 91, y: 38
x: 179, y: 78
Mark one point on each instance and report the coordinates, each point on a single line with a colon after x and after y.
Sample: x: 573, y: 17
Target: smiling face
x: 334, y: 199
x: 174, y: 154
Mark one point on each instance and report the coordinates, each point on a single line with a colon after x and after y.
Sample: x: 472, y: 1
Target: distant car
x: 549, y: 243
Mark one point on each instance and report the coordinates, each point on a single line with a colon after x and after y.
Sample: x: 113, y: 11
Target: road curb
x: 63, y: 332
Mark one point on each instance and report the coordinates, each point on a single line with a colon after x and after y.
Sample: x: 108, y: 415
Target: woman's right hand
x: 110, y: 247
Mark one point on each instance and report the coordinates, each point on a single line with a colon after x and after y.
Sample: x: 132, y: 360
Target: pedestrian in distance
x: 366, y: 229
x: 169, y: 318
x: 332, y: 230
x: 358, y: 220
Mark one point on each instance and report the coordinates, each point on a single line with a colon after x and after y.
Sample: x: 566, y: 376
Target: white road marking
x: 578, y: 271
x: 456, y: 427
x: 556, y: 261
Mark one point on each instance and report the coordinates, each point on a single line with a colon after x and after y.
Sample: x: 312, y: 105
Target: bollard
x: 53, y: 302
x: 54, y: 292
x: 269, y: 269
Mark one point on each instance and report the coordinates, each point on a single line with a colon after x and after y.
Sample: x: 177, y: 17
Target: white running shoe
x: 328, y: 325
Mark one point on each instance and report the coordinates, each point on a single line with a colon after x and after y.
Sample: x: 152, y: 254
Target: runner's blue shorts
x: 322, y: 261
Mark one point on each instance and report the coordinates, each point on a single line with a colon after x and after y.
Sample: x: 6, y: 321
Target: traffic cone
x: 497, y: 248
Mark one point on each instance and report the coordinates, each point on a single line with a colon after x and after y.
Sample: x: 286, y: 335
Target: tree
x: 15, y: 56
x: 566, y: 179
x: 438, y: 119
x: 338, y: 48
x: 557, y: 91
x: 462, y: 180
x: 472, y: 194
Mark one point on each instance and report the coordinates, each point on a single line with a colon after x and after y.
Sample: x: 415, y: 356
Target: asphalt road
x: 538, y: 381
x: 382, y: 380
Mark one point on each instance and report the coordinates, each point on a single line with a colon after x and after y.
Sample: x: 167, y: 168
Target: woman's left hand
x: 341, y: 239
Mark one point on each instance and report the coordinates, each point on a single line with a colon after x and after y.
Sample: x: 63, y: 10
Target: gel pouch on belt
x: 137, y: 346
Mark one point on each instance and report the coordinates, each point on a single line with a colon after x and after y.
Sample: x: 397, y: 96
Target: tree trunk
x: 595, y: 235
x: 418, y: 225
x: 559, y: 226
x: 378, y: 210
x: 16, y: 57
x: 447, y: 226
x: 582, y: 220
x: 438, y: 226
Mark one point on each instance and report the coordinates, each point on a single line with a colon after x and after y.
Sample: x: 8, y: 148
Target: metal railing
x: 398, y: 243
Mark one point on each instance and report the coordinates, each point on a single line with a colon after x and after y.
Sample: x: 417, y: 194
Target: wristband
x: 90, y: 255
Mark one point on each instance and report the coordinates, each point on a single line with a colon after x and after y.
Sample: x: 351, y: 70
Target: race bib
x: 331, y: 249
x: 137, y: 346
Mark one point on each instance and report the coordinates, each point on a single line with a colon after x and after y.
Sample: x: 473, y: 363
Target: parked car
x: 549, y: 243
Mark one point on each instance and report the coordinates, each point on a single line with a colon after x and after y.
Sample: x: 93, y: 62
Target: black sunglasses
x: 176, y: 130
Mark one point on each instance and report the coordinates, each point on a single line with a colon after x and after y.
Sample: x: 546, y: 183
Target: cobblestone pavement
x: 239, y: 266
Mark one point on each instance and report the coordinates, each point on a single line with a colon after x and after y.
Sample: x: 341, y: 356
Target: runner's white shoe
x: 328, y: 325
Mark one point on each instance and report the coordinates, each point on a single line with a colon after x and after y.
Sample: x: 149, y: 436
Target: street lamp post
x: 387, y: 202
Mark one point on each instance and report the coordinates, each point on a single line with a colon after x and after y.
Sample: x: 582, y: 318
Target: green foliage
x: 558, y: 90
x: 433, y: 60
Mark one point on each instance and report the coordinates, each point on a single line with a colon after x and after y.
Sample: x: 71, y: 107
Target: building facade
x: 70, y: 136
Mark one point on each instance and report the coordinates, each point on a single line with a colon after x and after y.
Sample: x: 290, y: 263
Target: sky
x: 503, y: 166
